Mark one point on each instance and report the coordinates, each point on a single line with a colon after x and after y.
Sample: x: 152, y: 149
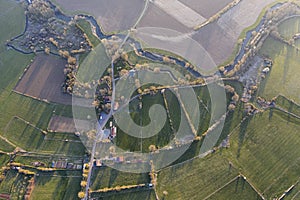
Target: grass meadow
x: 284, y: 75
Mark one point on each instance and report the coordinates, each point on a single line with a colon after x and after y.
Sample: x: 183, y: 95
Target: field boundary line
x: 282, y: 174
x: 32, y: 97
x: 156, y: 195
x: 112, y: 193
x: 9, y: 142
x: 288, y: 99
x: 200, y: 156
x: 253, y: 187
x: 191, y: 125
x: 287, y: 112
x: 30, y: 124
x: 219, y: 189
x: 217, y: 15
x: 168, y: 112
x: 289, y: 190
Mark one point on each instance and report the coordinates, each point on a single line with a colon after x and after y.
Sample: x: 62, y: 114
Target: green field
x: 34, y: 140
x: 85, y: 26
x: 294, y: 194
x: 284, y: 75
x: 93, y: 66
x: 12, y: 106
x: 15, y: 184
x: 289, y: 27
x: 11, y: 62
x: 132, y: 194
x: 141, y: 117
x: 60, y: 187
x: 288, y: 105
x: 238, y: 189
x: 108, y: 177
x: 3, y: 159
x: 266, y: 148
x: 11, y: 67
x: 6, y: 147
x: 204, y: 177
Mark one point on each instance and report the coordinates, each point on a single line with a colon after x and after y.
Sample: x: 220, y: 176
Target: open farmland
x: 113, y: 15
x: 34, y: 140
x: 11, y: 62
x: 181, y: 17
x: 206, y: 8
x: 156, y: 17
x: 43, y: 80
x: 22, y: 118
x: 284, y: 75
x: 57, y: 187
x: 35, y: 112
x: 133, y: 194
x: 67, y: 125
x: 180, y: 12
x: 289, y: 27
x: 5, y: 146
x: 239, y: 189
x: 219, y: 38
x: 260, y: 157
x: 15, y: 185
x: 204, y: 177
x: 267, y: 151
x: 264, y: 150
x: 108, y: 177
x: 4, y: 158
x: 164, y: 136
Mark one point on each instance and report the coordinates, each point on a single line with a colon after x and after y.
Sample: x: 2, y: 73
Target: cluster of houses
x: 296, y: 36
x: 64, y: 164
x: 249, y: 90
x: 267, y: 66
x: 126, y: 158
x: 265, y: 104
x: 100, y: 162
x: 110, y: 133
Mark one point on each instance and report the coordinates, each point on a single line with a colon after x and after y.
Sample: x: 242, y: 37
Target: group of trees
x: 83, y: 182
x: 273, y: 17
x: 218, y: 14
x: 287, y: 9
x: 40, y: 10
x: 153, y: 174
x: 46, y: 32
x: 234, y: 98
x: 119, y: 188
x: 69, y: 71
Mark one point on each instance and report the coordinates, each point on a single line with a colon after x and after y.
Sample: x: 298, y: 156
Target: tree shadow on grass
x: 191, y: 152
x: 113, y: 176
x: 290, y: 109
x: 242, y: 133
x: 227, y: 126
x: 270, y: 114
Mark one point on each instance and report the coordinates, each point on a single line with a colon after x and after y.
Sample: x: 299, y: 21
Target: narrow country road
x: 111, y: 111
